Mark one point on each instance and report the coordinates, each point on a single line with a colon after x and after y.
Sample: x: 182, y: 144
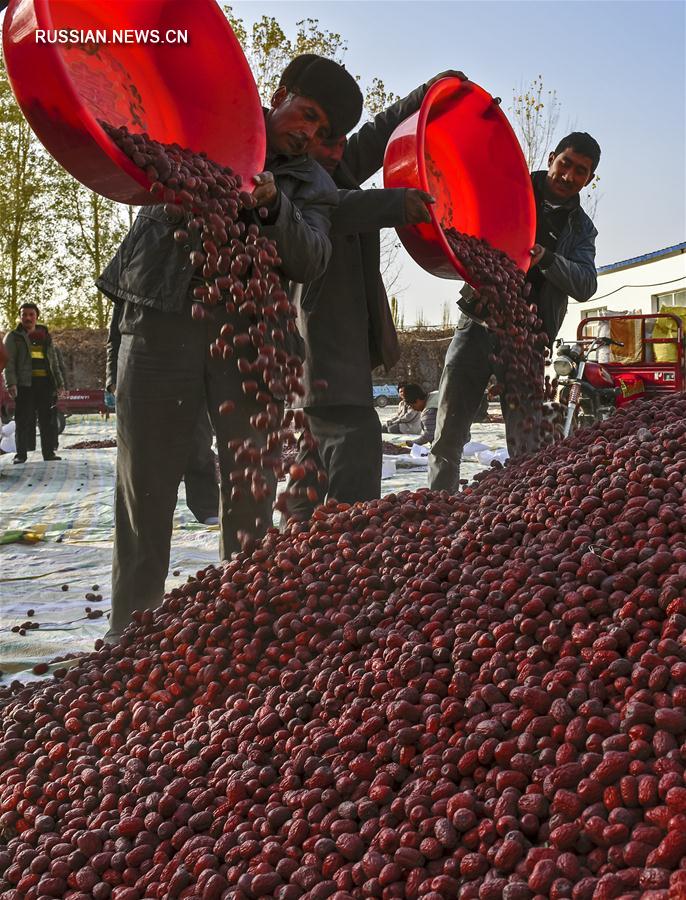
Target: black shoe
x: 52, y: 458
x: 19, y: 459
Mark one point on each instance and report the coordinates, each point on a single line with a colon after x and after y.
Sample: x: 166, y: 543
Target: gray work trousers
x: 200, y: 477
x: 167, y: 381
x: 349, y: 452
x: 465, y: 377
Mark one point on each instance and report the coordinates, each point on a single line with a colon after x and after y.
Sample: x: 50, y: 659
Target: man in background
x: 407, y: 419
x: 33, y: 377
x: 424, y: 406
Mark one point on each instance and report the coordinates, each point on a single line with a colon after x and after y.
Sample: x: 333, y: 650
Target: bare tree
x: 535, y: 114
x: 389, y: 266
x: 377, y: 98
x: 398, y: 313
x: 447, y: 315
x: 591, y: 197
x: 535, y: 118
x: 420, y: 319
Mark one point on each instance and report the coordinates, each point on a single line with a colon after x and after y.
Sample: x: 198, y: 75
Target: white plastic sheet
x: 388, y: 467
x: 7, y: 441
x: 471, y: 448
x: 485, y: 457
x: 73, y: 500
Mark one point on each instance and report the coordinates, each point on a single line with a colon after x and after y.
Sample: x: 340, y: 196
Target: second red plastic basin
x: 199, y: 94
x: 460, y: 147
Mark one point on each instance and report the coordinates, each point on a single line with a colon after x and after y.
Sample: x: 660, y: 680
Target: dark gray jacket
x: 151, y: 269
x: 572, y: 272
x: 112, y: 348
x: 344, y: 316
x: 19, y: 369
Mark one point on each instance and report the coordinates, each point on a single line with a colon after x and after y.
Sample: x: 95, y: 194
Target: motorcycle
x: 587, y: 388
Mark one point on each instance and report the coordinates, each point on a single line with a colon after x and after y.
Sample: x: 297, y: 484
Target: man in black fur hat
x: 166, y: 377
x: 344, y: 315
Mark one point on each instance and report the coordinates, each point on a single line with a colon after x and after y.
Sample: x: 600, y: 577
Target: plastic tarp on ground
x: 71, y: 503
x: 487, y: 443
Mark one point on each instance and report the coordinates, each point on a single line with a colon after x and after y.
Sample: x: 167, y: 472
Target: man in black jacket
x: 344, y: 315
x: 166, y: 376
x: 562, y: 265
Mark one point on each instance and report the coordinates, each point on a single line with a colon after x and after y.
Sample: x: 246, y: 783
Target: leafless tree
x: 535, y: 115
x: 398, y: 313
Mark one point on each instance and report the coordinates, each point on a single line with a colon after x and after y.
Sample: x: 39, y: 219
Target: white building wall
x: 636, y: 288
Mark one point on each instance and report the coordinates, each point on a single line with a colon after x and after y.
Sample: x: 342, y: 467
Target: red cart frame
x: 658, y: 377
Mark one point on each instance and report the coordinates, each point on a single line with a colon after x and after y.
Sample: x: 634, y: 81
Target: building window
x: 672, y: 298
x: 591, y: 330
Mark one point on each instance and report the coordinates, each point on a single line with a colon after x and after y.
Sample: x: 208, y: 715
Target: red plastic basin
x: 460, y: 148
x: 200, y: 94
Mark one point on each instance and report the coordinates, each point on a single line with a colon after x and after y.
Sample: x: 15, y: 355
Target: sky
x: 618, y: 68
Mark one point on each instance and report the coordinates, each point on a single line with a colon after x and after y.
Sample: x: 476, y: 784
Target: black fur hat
x: 327, y: 82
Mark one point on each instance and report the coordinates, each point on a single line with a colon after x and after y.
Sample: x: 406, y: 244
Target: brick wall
x: 421, y: 360
x: 83, y: 351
